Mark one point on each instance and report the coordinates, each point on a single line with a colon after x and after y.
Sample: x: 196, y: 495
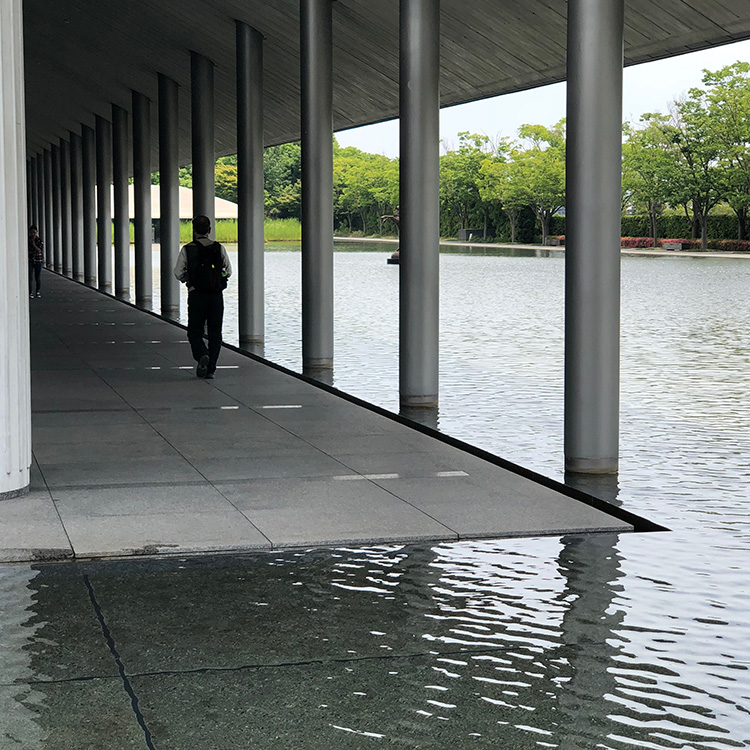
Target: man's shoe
x: 202, y: 370
x: 32, y: 296
x: 210, y: 374
x: 38, y: 294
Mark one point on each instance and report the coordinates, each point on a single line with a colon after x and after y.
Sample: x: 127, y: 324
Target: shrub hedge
x: 720, y: 227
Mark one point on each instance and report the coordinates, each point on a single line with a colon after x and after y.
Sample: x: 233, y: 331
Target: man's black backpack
x: 205, y: 267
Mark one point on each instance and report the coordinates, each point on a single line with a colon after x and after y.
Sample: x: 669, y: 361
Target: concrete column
x: 250, y: 249
x: 65, y: 209
x: 592, y: 242
x: 316, y: 55
x: 88, y: 164
x: 41, y: 203
x: 15, y: 388
x: 29, y: 195
x: 76, y: 203
x: 419, y: 266
x: 104, y: 203
x: 57, y: 209
x: 204, y: 159
x: 33, y: 192
x: 120, y: 163
x: 169, y: 191
x: 31, y: 186
x: 49, y: 214
x: 142, y: 199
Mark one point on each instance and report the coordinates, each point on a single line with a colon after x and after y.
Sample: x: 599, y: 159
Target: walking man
x: 204, y: 266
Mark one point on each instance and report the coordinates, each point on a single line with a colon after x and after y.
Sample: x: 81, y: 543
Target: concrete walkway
x: 135, y: 455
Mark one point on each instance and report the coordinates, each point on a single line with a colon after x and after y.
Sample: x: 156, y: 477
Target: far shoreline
x: 645, y: 251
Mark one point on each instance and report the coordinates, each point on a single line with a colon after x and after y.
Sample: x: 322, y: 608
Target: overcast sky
x: 647, y: 88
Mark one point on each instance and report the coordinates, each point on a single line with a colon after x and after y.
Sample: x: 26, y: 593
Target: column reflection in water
x: 259, y: 350
x: 603, y: 486
x: 60, y: 685
x: 429, y: 416
x: 18, y: 629
x: 322, y: 375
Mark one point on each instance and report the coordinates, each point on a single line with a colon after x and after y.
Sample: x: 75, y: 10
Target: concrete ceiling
x: 84, y: 55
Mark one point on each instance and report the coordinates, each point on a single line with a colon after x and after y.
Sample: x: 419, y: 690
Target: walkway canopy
x: 83, y: 56
x: 112, y: 88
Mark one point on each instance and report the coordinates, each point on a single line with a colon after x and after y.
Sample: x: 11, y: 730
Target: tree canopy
x: 691, y: 159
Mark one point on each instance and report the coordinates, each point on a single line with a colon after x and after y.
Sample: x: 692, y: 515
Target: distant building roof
x: 224, y: 209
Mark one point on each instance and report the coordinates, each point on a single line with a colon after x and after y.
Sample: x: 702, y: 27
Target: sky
x: 648, y: 87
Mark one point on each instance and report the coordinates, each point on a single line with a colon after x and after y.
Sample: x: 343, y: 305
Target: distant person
x: 36, y: 258
x: 203, y: 265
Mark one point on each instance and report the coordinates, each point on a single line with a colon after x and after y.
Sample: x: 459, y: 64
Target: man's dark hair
x: 201, y: 225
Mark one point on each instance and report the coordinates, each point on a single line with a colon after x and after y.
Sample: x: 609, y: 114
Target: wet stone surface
x: 520, y: 643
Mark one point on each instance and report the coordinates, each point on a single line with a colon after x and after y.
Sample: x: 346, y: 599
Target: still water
x: 606, y: 641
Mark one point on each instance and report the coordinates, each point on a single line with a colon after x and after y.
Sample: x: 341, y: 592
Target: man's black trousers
x: 205, y: 309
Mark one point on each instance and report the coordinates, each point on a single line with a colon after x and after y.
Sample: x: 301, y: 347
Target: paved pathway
x: 645, y: 251
x: 135, y: 455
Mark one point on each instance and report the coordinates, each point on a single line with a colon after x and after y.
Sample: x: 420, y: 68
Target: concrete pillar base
x: 321, y: 374
x: 317, y: 364
x: 591, y: 465
x: 419, y: 402
x: 425, y: 415
x: 14, y: 493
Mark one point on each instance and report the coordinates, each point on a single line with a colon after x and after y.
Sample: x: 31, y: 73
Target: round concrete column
x: 30, y: 192
x: 142, y: 200
x: 250, y: 223
x: 76, y: 203
x: 592, y: 243
x: 169, y: 192
x: 15, y: 390
x: 204, y: 159
x: 57, y: 209
x: 41, y: 202
x: 120, y: 162
x: 65, y: 209
x: 88, y: 139
x: 49, y: 213
x: 420, y: 202
x: 316, y: 55
x: 104, y: 203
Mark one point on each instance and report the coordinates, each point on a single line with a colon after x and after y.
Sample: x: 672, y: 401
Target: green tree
x: 364, y: 185
x: 647, y: 168
x: 501, y: 181
x: 226, y: 181
x: 186, y: 176
x: 385, y: 187
x: 727, y: 102
x: 282, y: 173
x: 460, y: 177
x: 699, y: 181
x: 541, y: 170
